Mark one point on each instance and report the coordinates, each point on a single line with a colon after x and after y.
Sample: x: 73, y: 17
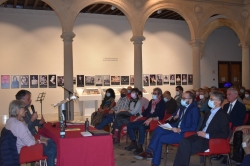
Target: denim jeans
x: 107, y: 119
x: 50, y: 152
x: 137, y: 125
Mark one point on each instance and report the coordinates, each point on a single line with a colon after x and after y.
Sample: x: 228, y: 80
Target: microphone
x: 32, y: 108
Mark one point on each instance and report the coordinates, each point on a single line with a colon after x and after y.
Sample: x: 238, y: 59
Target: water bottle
x: 87, y: 125
x: 62, y: 127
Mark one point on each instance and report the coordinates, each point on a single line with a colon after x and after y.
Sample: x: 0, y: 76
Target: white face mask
x: 211, y: 104
x: 165, y: 99
x: 133, y: 95
x: 177, y: 93
x: 154, y: 97
x: 246, y: 95
x: 201, y: 96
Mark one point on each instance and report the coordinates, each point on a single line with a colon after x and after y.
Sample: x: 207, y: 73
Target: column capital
x: 68, y: 36
x: 196, y: 42
x: 244, y: 44
x: 137, y: 39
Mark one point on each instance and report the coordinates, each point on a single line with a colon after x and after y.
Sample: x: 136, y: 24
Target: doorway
x: 229, y: 72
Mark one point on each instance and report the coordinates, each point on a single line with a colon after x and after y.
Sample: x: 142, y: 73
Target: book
x: 86, y: 134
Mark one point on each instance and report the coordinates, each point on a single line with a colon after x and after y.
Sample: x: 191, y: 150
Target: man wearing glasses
x: 215, y: 125
x: 154, y: 112
x: 185, y: 119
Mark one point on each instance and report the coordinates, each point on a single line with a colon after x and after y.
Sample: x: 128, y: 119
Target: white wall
x: 30, y: 43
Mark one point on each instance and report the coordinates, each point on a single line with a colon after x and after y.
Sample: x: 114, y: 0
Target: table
x: 76, y: 150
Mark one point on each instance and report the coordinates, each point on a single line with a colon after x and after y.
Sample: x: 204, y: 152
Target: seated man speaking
x: 187, y: 118
x: 215, y: 125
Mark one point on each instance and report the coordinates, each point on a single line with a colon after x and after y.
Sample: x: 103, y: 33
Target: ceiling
x: 95, y: 8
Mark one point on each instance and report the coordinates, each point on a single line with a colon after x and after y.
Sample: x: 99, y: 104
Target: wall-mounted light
x: 159, y: 11
x: 113, y: 7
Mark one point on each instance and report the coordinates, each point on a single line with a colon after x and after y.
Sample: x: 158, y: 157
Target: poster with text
x: 52, y: 81
x: 132, y: 79
x: 159, y: 79
x: 15, y: 81
x: 172, y: 79
x: 43, y: 81
x: 106, y: 80
x: 178, y: 79
x: 190, y: 79
x: 166, y: 80
x: 98, y: 80
x: 184, y: 79
x: 80, y: 80
x: 152, y: 79
x: 89, y: 80
x: 124, y: 80
x: 60, y: 80
x: 33, y: 81
x: 146, y: 79
x: 115, y: 80
x: 24, y: 81
x: 5, y: 81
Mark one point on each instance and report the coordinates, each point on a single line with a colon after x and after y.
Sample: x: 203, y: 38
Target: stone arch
x: 185, y: 12
x: 75, y: 9
x: 210, y: 27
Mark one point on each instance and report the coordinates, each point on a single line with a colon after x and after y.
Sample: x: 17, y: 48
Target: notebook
x: 99, y: 132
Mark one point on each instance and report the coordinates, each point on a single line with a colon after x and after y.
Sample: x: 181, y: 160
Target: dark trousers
x: 50, y: 151
x: 246, y: 160
x: 137, y: 125
x: 160, y: 137
x: 187, y: 147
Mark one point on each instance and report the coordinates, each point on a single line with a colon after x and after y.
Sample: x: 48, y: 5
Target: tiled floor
x: 123, y: 157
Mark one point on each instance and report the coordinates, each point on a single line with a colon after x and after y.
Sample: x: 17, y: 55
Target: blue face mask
x: 242, y: 91
x: 211, y: 104
x: 108, y: 94
x: 184, y: 103
x: 154, y: 97
x: 165, y: 99
x: 129, y: 91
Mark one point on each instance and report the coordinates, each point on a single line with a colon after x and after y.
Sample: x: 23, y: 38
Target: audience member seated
x: 215, y: 125
x: 213, y: 89
x: 122, y: 104
x: 107, y: 103
x: 242, y: 92
x: 246, y: 99
x: 144, y: 101
x: 236, y: 111
x: 154, y: 112
x: 179, y: 91
x: 30, y: 119
x: 123, y: 116
x: 203, y: 106
x: 171, y: 104
x: 197, y: 93
x: 16, y: 124
x: 187, y: 118
x: 129, y: 88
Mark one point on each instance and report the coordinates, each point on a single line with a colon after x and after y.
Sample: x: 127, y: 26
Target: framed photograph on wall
x: 52, y: 81
x: 166, y: 79
x: 115, y: 80
x: 80, y: 80
x: 184, y: 79
x: 98, y: 80
x: 159, y: 79
x: 24, y: 81
x: 43, y: 81
x: 5, y: 81
x: 124, y: 80
x: 33, y: 81
x: 15, y: 81
x: 190, y: 79
x: 74, y: 80
x: 132, y: 79
x: 152, y: 79
x: 106, y: 80
x: 146, y: 79
x: 172, y: 79
x: 60, y: 80
x: 178, y: 79
x: 89, y: 80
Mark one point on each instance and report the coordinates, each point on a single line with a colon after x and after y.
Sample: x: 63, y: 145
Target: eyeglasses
x: 213, y: 99
x: 154, y: 93
x: 185, y: 98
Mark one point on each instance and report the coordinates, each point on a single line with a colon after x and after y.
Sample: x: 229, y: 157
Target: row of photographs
x: 51, y: 81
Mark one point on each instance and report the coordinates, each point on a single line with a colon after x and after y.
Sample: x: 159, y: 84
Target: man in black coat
x: 171, y: 104
x: 215, y: 125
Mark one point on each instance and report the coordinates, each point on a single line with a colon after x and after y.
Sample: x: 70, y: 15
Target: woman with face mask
x: 123, y: 116
x: 203, y: 105
x: 107, y: 103
x: 246, y: 99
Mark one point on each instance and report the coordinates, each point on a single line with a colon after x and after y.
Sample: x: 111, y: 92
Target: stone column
x: 196, y: 46
x: 68, y: 70
x: 138, y: 61
x: 245, y: 65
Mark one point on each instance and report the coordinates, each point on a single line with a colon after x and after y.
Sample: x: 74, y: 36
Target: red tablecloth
x: 76, y: 150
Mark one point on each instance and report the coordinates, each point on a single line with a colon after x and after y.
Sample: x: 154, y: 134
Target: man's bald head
x: 167, y: 95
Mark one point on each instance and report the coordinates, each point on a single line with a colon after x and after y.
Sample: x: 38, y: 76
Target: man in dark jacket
x: 171, y: 104
x: 154, y: 112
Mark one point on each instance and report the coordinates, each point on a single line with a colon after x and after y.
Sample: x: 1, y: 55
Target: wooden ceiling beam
x: 114, y: 11
x: 168, y: 15
x: 25, y: 4
x: 91, y: 8
x: 100, y: 8
x: 35, y: 4
x: 106, y: 10
x: 44, y: 5
x: 15, y: 3
x: 162, y: 13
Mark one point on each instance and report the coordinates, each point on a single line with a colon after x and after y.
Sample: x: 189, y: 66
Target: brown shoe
x: 144, y: 155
